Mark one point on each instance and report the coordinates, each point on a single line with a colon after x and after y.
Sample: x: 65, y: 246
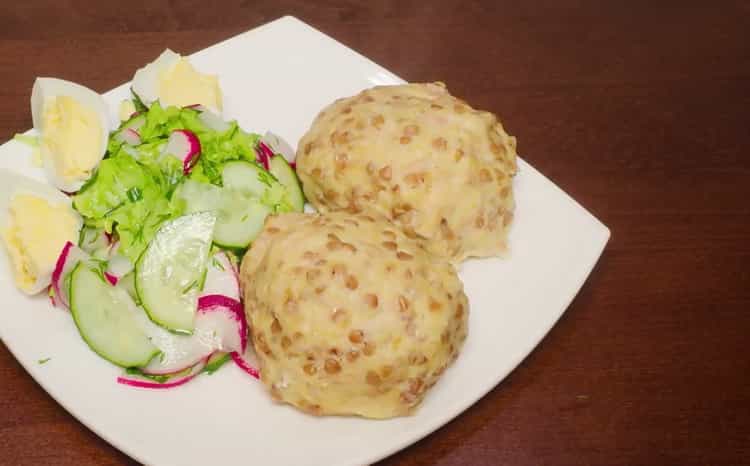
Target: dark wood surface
x: 638, y: 109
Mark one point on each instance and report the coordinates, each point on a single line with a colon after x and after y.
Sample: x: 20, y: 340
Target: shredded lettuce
x: 127, y: 194
x: 130, y: 194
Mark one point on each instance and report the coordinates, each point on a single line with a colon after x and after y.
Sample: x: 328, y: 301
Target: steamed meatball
x: 350, y: 316
x: 419, y: 156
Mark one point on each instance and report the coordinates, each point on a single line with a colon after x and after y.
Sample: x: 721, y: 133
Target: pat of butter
x: 71, y: 134
x: 36, y: 233
x: 182, y: 85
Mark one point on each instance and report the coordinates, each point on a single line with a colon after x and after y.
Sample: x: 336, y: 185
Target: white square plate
x: 278, y: 77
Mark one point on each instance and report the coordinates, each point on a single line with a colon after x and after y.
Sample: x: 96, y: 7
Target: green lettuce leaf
x: 129, y: 195
x: 131, y: 191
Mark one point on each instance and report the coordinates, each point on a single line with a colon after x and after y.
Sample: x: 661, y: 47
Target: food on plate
x: 349, y: 315
x: 126, y: 109
x: 36, y: 220
x: 173, y: 81
x: 143, y: 250
x: 425, y: 159
x: 164, y: 162
x: 73, y: 124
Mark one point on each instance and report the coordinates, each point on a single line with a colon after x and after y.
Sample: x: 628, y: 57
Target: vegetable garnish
x: 168, y: 211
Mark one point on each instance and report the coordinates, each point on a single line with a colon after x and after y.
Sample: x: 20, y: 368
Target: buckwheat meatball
x: 419, y: 156
x: 348, y: 315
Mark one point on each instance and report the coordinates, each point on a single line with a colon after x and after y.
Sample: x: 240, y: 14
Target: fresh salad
x: 165, y: 216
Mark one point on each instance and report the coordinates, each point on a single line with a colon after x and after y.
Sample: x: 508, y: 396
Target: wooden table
x: 638, y: 109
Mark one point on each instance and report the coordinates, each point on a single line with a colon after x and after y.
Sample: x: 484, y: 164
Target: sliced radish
x: 214, y: 121
x: 129, y: 136
x: 143, y: 382
x: 184, y: 145
x: 245, y: 365
x: 217, y: 302
x: 66, y: 261
x: 278, y: 145
x: 263, y: 154
x: 220, y: 325
x: 221, y: 277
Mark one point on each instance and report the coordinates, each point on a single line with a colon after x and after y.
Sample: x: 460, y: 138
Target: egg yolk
x: 35, y: 234
x: 182, y: 85
x: 71, y: 135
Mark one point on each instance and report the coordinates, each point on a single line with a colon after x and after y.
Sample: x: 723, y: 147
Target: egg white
x: 146, y: 80
x: 46, y: 88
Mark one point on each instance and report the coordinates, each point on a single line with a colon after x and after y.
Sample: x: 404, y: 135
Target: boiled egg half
x: 36, y: 220
x: 73, y: 124
x: 172, y: 80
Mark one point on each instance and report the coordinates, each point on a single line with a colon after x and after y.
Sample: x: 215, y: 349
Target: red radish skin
x: 59, y: 265
x: 145, y: 383
x: 242, y: 364
x: 210, y: 304
x: 184, y: 145
x: 57, y: 274
x: 68, y: 258
x: 217, y: 302
x: 264, y: 154
x: 111, y: 278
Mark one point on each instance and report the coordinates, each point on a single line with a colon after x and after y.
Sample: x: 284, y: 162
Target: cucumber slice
x: 239, y: 219
x: 170, y: 271
x: 106, y: 319
x: 283, y: 172
x: 241, y: 205
x: 197, y: 196
x: 127, y: 283
x: 246, y: 177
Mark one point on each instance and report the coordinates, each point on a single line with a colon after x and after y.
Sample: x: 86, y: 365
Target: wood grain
x: 638, y: 109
